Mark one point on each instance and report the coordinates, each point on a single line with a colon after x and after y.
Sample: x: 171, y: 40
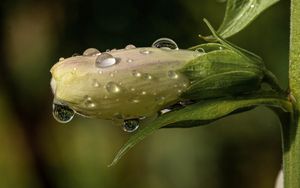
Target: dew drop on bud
x: 129, y: 60
x: 131, y: 125
x: 172, y: 74
x: 165, y: 43
x: 105, y: 60
x: 88, y: 102
x: 62, y: 113
x: 96, y: 83
x: 145, y: 51
x: 130, y: 46
x: 112, y: 87
x: 91, y: 52
x: 136, y: 73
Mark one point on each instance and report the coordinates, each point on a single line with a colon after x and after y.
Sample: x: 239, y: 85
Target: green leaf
x: 203, y: 112
x: 240, y: 13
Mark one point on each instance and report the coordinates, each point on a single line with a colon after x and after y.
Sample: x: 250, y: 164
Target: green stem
x: 291, y: 131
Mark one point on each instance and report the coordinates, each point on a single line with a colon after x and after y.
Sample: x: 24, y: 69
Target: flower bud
x: 122, y: 84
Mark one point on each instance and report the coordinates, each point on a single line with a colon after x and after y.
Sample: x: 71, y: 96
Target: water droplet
x: 160, y: 100
x: 117, y: 115
x: 134, y: 100
x: 144, y: 93
x: 130, y: 125
x: 75, y: 54
x: 62, y: 113
x: 172, y: 74
x: 91, y: 52
x: 136, y: 73
x: 74, y: 70
x: 105, y: 60
x: 96, y: 83
x: 129, y: 60
x: 147, y: 76
x: 88, y: 102
x: 61, y: 59
x: 163, y: 111
x: 221, y: 48
x: 145, y: 51
x: 201, y: 50
x: 251, y: 6
x: 165, y: 43
x: 130, y: 46
x: 112, y: 87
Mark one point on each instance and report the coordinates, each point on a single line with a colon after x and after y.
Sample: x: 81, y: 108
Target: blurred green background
x: 37, y: 152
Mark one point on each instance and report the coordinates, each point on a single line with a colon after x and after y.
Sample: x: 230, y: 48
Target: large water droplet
x: 62, y: 113
x: 112, y: 87
x: 105, y: 60
x: 165, y: 43
x: 172, y: 74
x: 131, y: 125
x: 130, y: 46
x: 91, y: 52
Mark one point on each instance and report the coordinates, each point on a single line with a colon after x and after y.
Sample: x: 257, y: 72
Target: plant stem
x: 291, y: 131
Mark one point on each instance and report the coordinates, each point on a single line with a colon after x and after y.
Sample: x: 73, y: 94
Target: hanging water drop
x: 165, y: 43
x: 62, y: 113
x: 105, y: 60
x: 112, y: 87
x: 130, y: 46
x: 91, y: 52
x: 130, y: 125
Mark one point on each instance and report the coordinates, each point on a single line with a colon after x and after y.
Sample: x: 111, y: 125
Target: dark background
x: 37, y: 152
